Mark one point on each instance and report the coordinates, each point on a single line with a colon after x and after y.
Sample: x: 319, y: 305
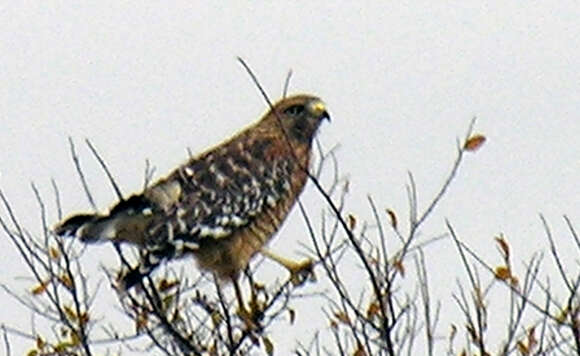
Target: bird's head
x: 299, y: 115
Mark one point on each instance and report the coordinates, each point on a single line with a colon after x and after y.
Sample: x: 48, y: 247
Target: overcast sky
x: 402, y: 81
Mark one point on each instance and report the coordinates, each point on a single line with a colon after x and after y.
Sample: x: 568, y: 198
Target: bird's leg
x: 244, y: 313
x: 299, y: 271
x: 240, y: 299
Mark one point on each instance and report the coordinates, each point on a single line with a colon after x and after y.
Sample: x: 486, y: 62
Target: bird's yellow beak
x: 318, y: 109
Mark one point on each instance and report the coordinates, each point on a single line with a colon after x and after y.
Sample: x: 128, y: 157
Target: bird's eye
x: 294, y: 110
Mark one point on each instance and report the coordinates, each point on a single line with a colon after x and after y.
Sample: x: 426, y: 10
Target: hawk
x: 221, y: 206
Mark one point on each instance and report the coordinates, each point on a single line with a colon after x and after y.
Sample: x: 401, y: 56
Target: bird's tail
x: 132, y: 220
x: 124, y: 222
x: 87, y: 227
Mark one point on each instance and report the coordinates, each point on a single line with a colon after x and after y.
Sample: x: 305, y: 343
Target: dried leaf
x: 452, y: 333
x: 70, y: 314
x: 259, y: 286
x: 503, y: 273
x: 54, y: 253
x: 472, y: 333
x: 165, y: 284
x: 40, y: 343
x: 39, y: 289
x: 167, y: 301
x: 74, y: 339
x: 351, y: 221
x: 562, y: 315
x: 268, y: 345
x: 65, y: 280
x: 503, y: 246
x: 398, y: 264
x: 532, y: 341
x: 216, y: 318
x: 522, y: 348
x: 342, y: 317
x: 373, y: 309
x: 62, y: 347
x: 393, y: 218
x: 474, y: 143
x: 333, y: 324
x: 84, y: 318
x: 292, y: 314
x: 141, y: 321
x: 32, y: 352
x: 515, y: 282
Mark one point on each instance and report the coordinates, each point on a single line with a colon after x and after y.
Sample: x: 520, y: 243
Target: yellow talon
x: 299, y: 271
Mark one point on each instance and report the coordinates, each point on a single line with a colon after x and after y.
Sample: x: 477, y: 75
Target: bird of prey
x: 221, y: 206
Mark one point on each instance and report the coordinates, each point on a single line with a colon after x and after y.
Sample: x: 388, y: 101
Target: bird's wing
x: 220, y: 192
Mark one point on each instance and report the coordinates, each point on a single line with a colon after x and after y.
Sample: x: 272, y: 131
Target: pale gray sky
x: 402, y: 80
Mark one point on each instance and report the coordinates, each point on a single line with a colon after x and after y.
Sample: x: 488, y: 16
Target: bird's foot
x: 248, y: 317
x: 300, y: 271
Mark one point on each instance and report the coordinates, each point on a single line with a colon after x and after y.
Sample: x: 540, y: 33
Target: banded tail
x: 127, y: 221
x: 130, y: 221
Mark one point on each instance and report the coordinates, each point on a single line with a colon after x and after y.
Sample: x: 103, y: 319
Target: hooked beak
x: 319, y: 109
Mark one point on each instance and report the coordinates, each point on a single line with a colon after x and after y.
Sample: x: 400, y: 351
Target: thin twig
x: 287, y: 84
x: 106, y: 169
x: 557, y: 258
x: 77, y: 164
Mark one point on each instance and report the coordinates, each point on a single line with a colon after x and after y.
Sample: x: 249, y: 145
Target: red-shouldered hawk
x: 221, y: 206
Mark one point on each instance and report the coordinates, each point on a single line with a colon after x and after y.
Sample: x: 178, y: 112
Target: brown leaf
x: 452, y: 333
x: 84, y: 318
x: 141, y: 321
x: 522, y: 348
x: 333, y: 324
x: 351, y: 221
x: 393, y: 218
x: 503, y: 246
x: 268, y: 345
x: 373, y: 309
x: 70, y: 314
x: 40, y: 343
x: 474, y: 143
x: 502, y: 273
x: 342, y: 317
x: 167, y: 302
x: 259, y: 286
x: 562, y: 315
x: 165, y: 284
x: 74, y: 339
x: 292, y: 314
x: 472, y: 332
x: 398, y: 264
x: 66, y: 281
x: 39, y: 289
x: 514, y: 281
x: 63, y: 347
x: 54, y: 253
x: 216, y: 318
x: 532, y: 341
